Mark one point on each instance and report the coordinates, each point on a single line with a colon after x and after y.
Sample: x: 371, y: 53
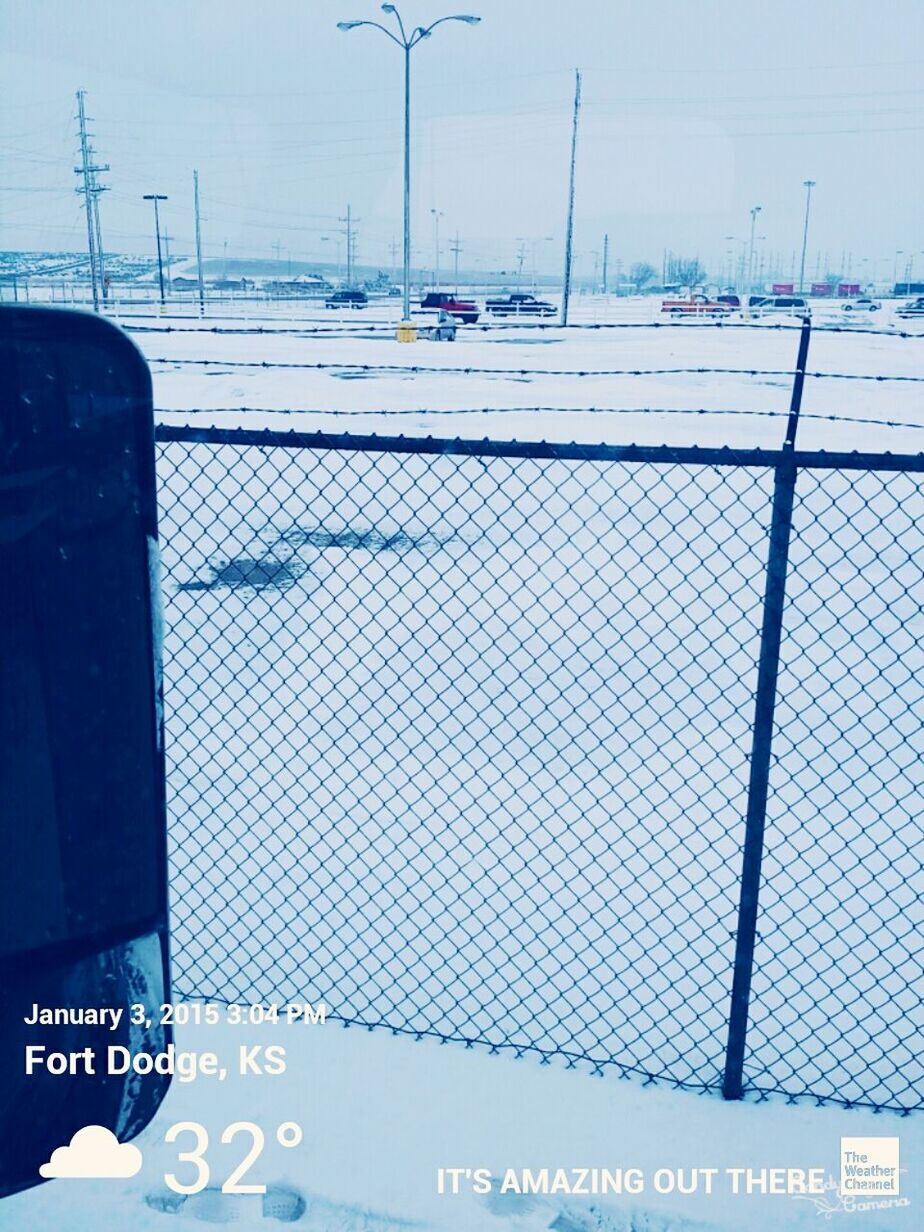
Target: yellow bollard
x: 407, y: 331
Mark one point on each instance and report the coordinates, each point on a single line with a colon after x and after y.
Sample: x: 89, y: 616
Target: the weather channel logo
x: 869, y: 1167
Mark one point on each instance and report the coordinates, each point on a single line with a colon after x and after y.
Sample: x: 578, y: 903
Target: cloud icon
x: 94, y: 1152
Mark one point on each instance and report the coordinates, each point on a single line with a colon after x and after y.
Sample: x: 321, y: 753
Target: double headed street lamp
x: 407, y: 44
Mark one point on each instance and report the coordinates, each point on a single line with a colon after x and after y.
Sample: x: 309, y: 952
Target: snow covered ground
x: 251, y: 723
x: 522, y: 381
x: 381, y: 1114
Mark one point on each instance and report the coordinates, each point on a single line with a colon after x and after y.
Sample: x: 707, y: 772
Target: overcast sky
x: 694, y: 111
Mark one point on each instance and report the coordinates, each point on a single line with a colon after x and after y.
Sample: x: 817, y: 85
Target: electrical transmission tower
x: 90, y: 189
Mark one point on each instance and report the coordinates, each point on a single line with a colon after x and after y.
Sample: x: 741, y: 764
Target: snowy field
x: 477, y: 764
x: 476, y: 730
x: 381, y: 1114
x: 522, y: 381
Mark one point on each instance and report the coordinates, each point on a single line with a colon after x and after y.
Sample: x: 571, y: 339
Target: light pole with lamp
x: 899, y: 252
x: 407, y: 45
x: 754, y: 212
x: 809, y: 185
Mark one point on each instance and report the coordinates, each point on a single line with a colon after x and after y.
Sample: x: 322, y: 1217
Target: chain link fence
x: 460, y: 743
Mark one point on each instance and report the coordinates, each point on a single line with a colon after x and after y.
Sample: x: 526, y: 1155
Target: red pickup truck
x: 462, y: 309
x: 696, y: 305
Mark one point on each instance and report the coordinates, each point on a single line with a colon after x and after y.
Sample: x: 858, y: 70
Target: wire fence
x: 606, y: 754
x: 359, y: 329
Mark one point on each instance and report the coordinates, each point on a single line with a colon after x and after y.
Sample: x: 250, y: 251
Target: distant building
x: 303, y: 285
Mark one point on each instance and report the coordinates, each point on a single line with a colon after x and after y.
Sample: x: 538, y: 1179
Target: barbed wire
x: 534, y: 410
x: 387, y: 328
x: 470, y: 370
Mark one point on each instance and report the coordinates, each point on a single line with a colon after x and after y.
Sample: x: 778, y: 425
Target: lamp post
x: 899, y: 252
x: 809, y: 185
x: 754, y: 212
x: 407, y: 45
x: 437, y: 215
x: 155, y: 197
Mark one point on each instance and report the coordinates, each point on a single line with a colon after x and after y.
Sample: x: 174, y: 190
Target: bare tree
x: 641, y: 275
x: 688, y: 272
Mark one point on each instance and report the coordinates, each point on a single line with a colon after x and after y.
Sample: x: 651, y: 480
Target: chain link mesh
x: 836, y: 1005
x: 459, y: 746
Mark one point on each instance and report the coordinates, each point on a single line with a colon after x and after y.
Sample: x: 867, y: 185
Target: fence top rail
x: 692, y: 455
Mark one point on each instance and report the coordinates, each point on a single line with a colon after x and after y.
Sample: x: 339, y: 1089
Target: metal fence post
x: 784, y: 487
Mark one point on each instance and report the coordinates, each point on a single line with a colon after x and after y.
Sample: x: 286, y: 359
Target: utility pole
x: 198, y: 245
x: 90, y: 191
x: 521, y: 256
x: 808, y: 185
x: 156, y: 198
x: 348, y: 231
x: 569, y: 227
x: 455, y: 248
x: 167, y: 258
x: 437, y: 215
x: 606, y: 258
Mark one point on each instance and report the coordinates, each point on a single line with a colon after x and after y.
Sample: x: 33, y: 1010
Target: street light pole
x: 899, y: 252
x: 407, y: 44
x: 754, y: 212
x: 809, y: 185
x: 156, y: 197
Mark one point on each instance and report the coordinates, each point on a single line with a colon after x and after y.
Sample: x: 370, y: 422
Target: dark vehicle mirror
x: 83, y: 886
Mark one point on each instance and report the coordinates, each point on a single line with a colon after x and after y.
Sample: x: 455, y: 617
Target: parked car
x: 733, y: 301
x: 696, y: 305
x: 347, y: 299
x: 861, y: 303
x: 913, y: 308
x: 792, y: 305
x: 463, y: 310
x: 519, y: 304
x: 444, y: 330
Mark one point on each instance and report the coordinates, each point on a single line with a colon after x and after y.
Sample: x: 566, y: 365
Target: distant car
x: 696, y: 305
x: 734, y: 301
x: 463, y: 310
x: 444, y: 330
x: 913, y: 308
x: 861, y: 303
x: 347, y: 299
x: 520, y: 305
x: 792, y: 305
